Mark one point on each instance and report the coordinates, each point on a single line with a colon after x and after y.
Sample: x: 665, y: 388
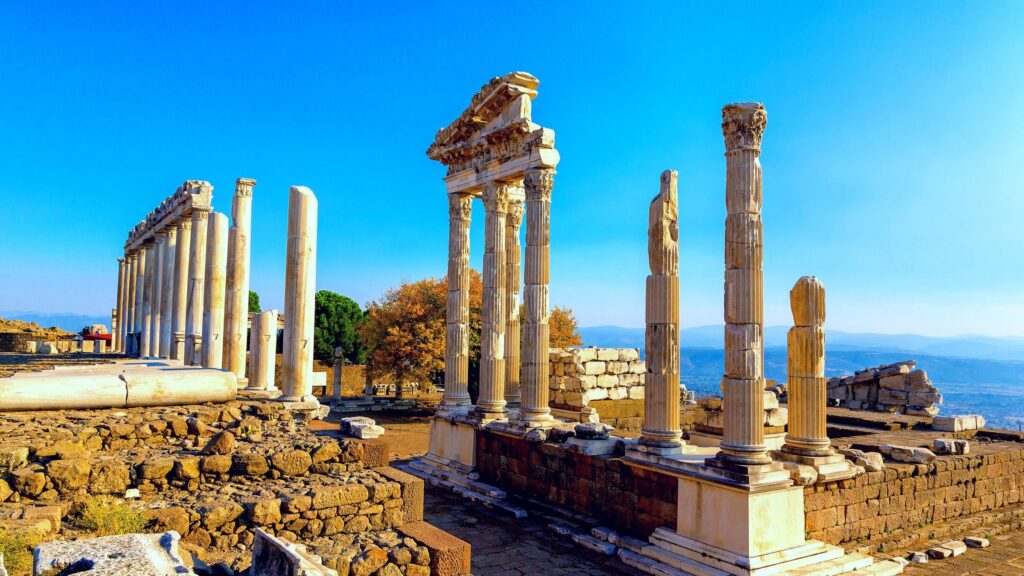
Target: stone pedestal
x: 196, y: 287
x: 179, y: 296
x: 213, y: 305
x: 299, y: 291
x: 236, y: 316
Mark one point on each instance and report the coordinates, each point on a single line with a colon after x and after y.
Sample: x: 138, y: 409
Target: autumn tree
x: 404, y: 332
x: 564, y: 330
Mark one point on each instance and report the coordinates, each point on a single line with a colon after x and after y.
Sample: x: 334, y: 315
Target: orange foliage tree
x: 564, y: 330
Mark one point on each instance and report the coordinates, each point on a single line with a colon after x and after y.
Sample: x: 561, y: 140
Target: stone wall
x: 628, y: 498
x: 886, y: 507
x: 579, y: 376
x: 897, y: 388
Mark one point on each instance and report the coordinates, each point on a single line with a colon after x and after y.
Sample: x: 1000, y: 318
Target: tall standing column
x: 806, y: 371
x: 513, y: 287
x: 743, y: 383
x: 491, y: 402
x: 146, y: 294
x: 299, y: 291
x: 534, y: 410
x: 167, y: 291
x: 156, y: 317
x: 196, y: 287
x: 117, y: 341
x: 179, y: 292
x: 456, y: 358
x: 236, y: 318
x: 131, y: 342
x: 216, y: 280
x: 661, y: 384
x: 264, y: 350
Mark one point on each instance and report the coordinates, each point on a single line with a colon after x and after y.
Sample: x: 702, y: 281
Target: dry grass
x: 16, y: 548
x: 108, y: 516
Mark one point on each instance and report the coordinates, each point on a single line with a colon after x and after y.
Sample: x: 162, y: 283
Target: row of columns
x: 510, y: 371
x: 185, y: 295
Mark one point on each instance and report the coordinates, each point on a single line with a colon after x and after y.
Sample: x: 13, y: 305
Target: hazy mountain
x: 966, y: 346
x: 69, y: 322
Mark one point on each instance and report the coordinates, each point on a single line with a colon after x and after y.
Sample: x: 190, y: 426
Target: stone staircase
x: 462, y: 484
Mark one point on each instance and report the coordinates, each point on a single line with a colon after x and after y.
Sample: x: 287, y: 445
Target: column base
x: 264, y: 393
x: 828, y: 468
x: 770, y: 473
x: 453, y: 440
x: 243, y: 382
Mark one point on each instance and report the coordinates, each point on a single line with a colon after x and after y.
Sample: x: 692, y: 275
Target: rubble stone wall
x: 627, y: 498
x: 891, y: 503
x: 896, y: 388
x: 579, y: 376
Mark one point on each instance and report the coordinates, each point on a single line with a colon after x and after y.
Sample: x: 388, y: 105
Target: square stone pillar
x: 456, y: 357
x: 534, y: 410
x: 196, y: 287
x: 216, y: 278
x: 299, y: 296
x: 237, y: 304
x: 179, y: 296
x: 490, y: 404
x: 513, y: 288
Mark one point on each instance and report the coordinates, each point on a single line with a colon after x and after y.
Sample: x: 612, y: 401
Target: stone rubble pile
x: 581, y: 375
x: 895, y: 388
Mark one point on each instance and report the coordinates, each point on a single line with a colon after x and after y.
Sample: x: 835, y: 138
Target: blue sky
x: 892, y: 159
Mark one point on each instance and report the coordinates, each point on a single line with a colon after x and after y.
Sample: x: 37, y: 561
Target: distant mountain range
x: 69, y: 322
x: 966, y: 346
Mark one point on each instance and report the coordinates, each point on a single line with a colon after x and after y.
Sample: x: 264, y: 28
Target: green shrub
x: 17, y: 550
x: 108, y: 516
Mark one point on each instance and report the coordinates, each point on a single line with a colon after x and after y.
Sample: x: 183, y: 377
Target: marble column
x: 743, y: 384
x: 213, y: 300
x: 236, y: 318
x: 299, y: 291
x: 131, y: 342
x: 167, y: 290
x: 156, y: 318
x: 196, y: 287
x: 146, y: 298
x: 513, y: 288
x: 456, y: 360
x: 491, y: 402
x: 264, y: 350
x: 534, y: 409
x: 117, y: 340
x: 805, y: 373
x: 661, y: 384
x: 179, y: 295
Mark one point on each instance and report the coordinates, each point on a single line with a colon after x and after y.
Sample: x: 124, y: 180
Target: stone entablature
x: 579, y: 376
x: 193, y: 194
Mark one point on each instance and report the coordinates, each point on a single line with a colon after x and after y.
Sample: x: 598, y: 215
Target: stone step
x: 680, y: 564
x: 833, y: 567
x: 883, y: 568
x: 437, y: 479
x: 650, y: 566
x: 811, y: 553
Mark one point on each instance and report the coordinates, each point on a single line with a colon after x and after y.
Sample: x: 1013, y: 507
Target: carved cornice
x: 539, y: 184
x: 497, y: 196
x: 484, y: 107
x: 193, y: 195
x: 743, y: 125
x: 460, y: 206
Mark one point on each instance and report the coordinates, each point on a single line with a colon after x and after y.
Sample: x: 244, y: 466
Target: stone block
x: 927, y: 411
x: 908, y: 454
x: 586, y: 354
x: 594, y: 368
x: 273, y: 556
x: 629, y: 355
x: 956, y: 547
x: 924, y: 399
x: 607, y: 381
x: 976, y: 542
x: 771, y: 401
x: 142, y: 554
x: 917, y: 376
x: 892, y: 397
x: 594, y: 394
x: 897, y: 382
x: 608, y: 354
x: 776, y: 417
x: 449, y: 556
x: 412, y: 492
x: 959, y: 423
x: 617, y: 367
x: 636, y: 392
x: 618, y: 393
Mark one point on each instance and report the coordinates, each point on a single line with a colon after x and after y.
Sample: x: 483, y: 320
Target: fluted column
x: 806, y: 385
x: 117, y: 340
x: 146, y: 297
x: 264, y: 349
x: 167, y: 291
x: 196, y: 287
x: 156, y: 317
x: 491, y: 402
x: 661, y: 384
x: 513, y: 288
x: 213, y: 301
x: 743, y: 384
x: 456, y: 359
x: 299, y: 295
x: 236, y: 317
x: 534, y: 409
x: 131, y: 342
x: 179, y: 292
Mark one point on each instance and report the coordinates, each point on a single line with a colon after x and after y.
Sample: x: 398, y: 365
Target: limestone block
x: 917, y: 376
x: 361, y: 427
x: 928, y: 411
x: 959, y: 423
x: 939, y: 553
x: 908, y: 454
x: 919, y: 558
x: 588, y: 382
x: 608, y: 354
x: 594, y: 394
x: 636, y: 392
x: 855, y: 404
x: 617, y: 393
x: 630, y: 380
x: 573, y: 398
x: 710, y: 402
x: 594, y: 368
x: 892, y: 397
x: 861, y: 392
x: 559, y: 397
x: 924, y: 398
x: 776, y: 417
x: 629, y: 355
x: 638, y: 367
x: 956, y: 547
x: 897, y: 382
x: 138, y: 554
x: 771, y: 401
x: 976, y: 542
x: 584, y: 355
x: 617, y: 367
x: 272, y: 556
x: 925, y: 386
x: 607, y: 381
x: 571, y: 383
x: 870, y: 461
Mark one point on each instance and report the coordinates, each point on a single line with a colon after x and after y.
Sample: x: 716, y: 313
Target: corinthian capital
x: 515, y: 213
x: 539, y: 183
x: 243, y: 186
x: 497, y: 196
x: 743, y: 124
x: 460, y: 206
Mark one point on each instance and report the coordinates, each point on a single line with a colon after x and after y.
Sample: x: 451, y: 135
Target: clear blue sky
x: 892, y: 160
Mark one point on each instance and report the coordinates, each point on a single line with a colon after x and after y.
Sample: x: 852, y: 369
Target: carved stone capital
x: 663, y: 228
x: 497, y: 196
x: 185, y: 225
x: 539, y: 184
x: 200, y: 215
x: 514, y: 219
x: 243, y: 186
x: 743, y: 124
x: 460, y: 206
